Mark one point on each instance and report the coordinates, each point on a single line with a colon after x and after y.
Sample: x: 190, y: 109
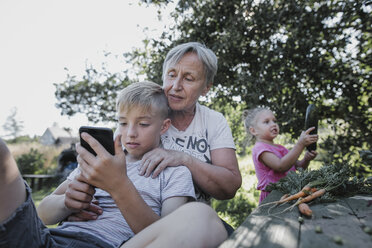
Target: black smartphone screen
x: 311, y: 120
x: 103, y: 135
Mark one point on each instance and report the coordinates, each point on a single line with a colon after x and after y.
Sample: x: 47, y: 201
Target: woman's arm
x: 221, y: 179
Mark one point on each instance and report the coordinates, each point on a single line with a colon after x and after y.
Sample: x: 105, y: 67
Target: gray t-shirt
x: 111, y: 225
x: 208, y: 131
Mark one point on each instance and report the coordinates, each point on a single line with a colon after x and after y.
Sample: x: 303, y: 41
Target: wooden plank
x: 39, y: 178
x: 264, y: 229
x: 335, y: 219
x: 361, y: 205
x: 344, y: 218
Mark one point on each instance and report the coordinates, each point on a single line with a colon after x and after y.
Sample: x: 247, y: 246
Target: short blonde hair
x: 147, y: 95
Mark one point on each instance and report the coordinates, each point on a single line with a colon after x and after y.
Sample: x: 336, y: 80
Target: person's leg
x: 12, y: 187
x: 192, y: 225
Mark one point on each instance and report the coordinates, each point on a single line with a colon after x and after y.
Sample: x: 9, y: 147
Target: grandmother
x: 199, y: 137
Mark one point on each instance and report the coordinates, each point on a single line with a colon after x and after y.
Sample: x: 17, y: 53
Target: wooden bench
x: 344, y: 218
x: 36, y: 178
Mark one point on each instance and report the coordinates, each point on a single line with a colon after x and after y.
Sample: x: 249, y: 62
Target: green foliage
x: 281, y: 54
x: 233, y: 116
x: 21, y: 139
x: 236, y: 210
x: 94, y: 95
x: 285, y: 55
x: 31, y: 162
x: 335, y: 178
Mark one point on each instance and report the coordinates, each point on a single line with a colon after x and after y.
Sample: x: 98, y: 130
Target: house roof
x: 58, y: 132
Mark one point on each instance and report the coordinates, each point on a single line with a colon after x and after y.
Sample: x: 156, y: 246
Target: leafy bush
x: 236, y: 210
x: 31, y: 162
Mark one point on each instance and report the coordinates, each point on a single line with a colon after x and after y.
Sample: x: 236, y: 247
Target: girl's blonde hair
x: 250, y: 120
x: 147, y: 95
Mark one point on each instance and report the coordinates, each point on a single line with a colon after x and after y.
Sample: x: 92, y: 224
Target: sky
x: 40, y: 38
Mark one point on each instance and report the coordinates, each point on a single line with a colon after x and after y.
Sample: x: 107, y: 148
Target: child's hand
x: 103, y: 171
x: 78, y: 195
x: 310, y: 155
x: 306, y: 138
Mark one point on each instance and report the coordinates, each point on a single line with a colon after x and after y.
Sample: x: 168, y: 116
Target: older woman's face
x: 184, y: 83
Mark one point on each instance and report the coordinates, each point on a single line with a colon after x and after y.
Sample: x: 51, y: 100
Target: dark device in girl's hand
x: 311, y: 120
x: 103, y: 135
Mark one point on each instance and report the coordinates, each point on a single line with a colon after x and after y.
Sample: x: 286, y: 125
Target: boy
x: 129, y: 201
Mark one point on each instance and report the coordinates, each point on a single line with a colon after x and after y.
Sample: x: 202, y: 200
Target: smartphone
x: 102, y: 134
x: 311, y: 120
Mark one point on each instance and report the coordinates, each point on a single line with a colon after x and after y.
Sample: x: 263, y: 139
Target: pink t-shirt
x: 265, y: 174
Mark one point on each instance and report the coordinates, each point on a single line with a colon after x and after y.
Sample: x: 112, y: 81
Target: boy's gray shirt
x: 111, y: 225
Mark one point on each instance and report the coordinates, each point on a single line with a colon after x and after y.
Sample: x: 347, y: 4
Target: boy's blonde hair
x: 250, y: 120
x: 147, y: 95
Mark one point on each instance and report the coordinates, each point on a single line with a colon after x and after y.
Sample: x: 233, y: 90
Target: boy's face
x: 141, y: 131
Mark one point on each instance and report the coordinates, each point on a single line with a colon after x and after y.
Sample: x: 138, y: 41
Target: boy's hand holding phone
x: 103, y: 135
x: 104, y: 170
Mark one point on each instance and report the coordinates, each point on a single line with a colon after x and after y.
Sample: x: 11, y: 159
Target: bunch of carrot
x: 326, y: 182
x: 305, y: 195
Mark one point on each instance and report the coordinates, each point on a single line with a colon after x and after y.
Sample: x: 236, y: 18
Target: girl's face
x: 184, y: 83
x: 265, y: 128
x: 141, y: 131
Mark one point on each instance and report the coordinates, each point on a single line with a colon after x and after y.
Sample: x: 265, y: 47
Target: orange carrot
x: 305, y: 209
x: 284, y: 196
x: 313, y: 190
x: 311, y: 197
x: 306, y: 199
x: 307, y: 190
x: 304, y: 192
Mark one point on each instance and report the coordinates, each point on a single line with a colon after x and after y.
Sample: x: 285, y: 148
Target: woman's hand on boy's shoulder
x: 156, y: 160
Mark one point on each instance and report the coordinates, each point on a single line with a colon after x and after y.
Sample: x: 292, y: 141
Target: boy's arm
x: 172, y: 203
x: 70, y: 196
x: 133, y: 208
x: 52, y: 209
x: 108, y: 173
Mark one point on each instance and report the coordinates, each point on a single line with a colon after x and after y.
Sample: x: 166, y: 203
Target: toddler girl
x: 273, y: 161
